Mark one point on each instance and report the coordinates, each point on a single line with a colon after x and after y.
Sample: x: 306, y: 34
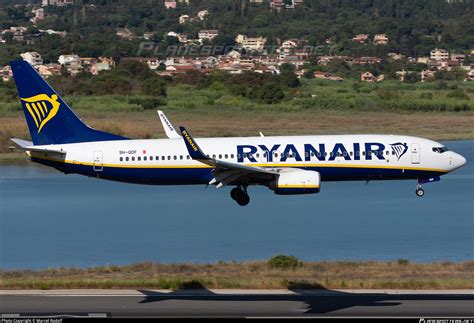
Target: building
x: 256, y: 44
x: 6, y: 73
x: 124, y: 33
x: 321, y: 75
x: 148, y: 35
x: 69, y: 60
x: 202, y: 14
x: 33, y: 58
x: 367, y: 77
x: 53, y: 32
x: 183, y: 19
x: 208, y: 34
x: 439, y: 54
x: 361, y: 38
x: 56, y: 2
x: 380, y: 39
x: 369, y: 60
x: 170, y: 4
x: 277, y: 4
x: 470, y: 75
x: 49, y: 70
x: 39, y: 15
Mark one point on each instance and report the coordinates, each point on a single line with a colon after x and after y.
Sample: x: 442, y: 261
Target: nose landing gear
x: 239, y: 194
x: 419, y: 190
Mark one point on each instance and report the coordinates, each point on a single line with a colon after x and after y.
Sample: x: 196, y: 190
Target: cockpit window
x: 440, y: 150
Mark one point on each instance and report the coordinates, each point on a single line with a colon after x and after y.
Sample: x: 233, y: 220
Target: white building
x: 208, y: 34
x: 69, y: 60
x: 202, y: 14
x: 33, y: 58
x: 56, y: 2
x: 183, y: 19
x: 249, y: 43
x: 381, y: 39
x: 439, y: 54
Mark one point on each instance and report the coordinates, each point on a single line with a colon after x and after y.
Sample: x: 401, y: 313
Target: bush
x: 284, y: 262
x: 271, y: 93
x: 426, y: 96
x: 403, y: 262
x: 458, y: 94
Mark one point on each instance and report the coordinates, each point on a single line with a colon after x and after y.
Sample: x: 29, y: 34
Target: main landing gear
x: 239, y: 194
x: 419, y: 190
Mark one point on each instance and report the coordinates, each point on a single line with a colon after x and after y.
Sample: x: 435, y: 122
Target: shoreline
x: 400, y: 274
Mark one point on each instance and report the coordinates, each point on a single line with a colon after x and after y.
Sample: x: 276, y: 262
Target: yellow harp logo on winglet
x: 42, y: 108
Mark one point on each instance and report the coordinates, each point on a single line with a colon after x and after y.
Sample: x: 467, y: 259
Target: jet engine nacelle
x: 297, y: 182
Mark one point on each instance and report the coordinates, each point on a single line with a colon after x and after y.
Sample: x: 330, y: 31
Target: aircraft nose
x: 458, y: 161
x: 461, y: 160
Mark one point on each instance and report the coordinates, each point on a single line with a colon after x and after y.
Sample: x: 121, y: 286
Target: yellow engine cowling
x: 297, y: 182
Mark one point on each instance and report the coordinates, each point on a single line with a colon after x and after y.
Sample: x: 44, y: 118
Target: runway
x: 237, y: 303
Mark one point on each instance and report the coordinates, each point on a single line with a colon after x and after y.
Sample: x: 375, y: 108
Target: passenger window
x: 187, y: 157
x: 351, y: 153
x: 232, y: 156
x: 133, y: 158
x: 126, y: 158
x: 175, y: 157
x: 139, y: 158
x: 220, y: 156
x: 162, y: 157
x: 169, y: 157
x: 344, y: 153
x: 258, y: 155
x: 121, y: 158
x: 276, y: 154
x: 226, y: 156
x: 331, y: 154
x: 181, y: 157
x: 363, y: 153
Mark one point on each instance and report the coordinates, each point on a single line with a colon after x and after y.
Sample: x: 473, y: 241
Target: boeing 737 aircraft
x: 285, y: 164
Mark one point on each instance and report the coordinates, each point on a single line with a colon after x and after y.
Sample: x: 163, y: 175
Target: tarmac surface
x: 237, y: 303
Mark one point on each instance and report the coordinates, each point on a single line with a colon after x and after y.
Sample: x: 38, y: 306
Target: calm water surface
x: 48, y: 219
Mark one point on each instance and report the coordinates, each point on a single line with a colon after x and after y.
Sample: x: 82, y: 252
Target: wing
x: 227, y: 173
x: 169, y: 129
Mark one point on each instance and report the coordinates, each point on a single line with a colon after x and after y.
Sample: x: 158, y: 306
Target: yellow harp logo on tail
x: 42, y: 108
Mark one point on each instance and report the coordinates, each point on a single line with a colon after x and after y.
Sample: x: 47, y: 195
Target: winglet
x: 167, y: 126
x: 193, y: 149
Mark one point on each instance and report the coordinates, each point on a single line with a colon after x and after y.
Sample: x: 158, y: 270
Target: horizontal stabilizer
x: 26, y: 145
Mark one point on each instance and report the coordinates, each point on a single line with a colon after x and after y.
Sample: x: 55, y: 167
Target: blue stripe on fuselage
x: 188, y: 175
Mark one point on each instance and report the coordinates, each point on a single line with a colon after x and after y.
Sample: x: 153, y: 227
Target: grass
x: 251, y: 275
x: 318, y: 107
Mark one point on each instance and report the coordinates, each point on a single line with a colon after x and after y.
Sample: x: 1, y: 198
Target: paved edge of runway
x: 219, y: 292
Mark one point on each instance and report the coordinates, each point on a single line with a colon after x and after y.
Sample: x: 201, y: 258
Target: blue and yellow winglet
x: 193, y: 149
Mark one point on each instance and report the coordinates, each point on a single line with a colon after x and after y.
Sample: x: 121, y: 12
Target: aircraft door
x: 98, y: 162
x: 415, y: 153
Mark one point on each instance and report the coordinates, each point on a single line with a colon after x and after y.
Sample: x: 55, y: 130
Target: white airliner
x: 285, y: 164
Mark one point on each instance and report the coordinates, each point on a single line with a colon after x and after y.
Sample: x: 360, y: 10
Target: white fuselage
x: 336, y: 157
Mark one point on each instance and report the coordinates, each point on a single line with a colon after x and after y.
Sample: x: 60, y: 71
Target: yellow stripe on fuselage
x: 297, y: 186
x: 75, y: 162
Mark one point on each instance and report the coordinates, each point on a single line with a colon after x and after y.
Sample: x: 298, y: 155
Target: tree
x: 154, y: 86
x: 271, y: 93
